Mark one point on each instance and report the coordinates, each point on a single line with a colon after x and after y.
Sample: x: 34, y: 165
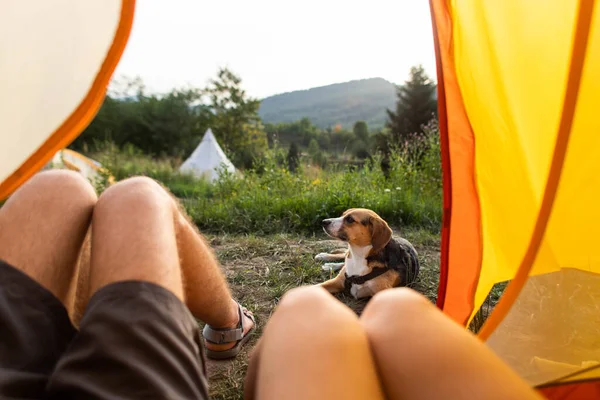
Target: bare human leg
x: 312, y: 348
x: 80, y: 289
x: 203, y: 274
x: 133, y: 237
x: 415, y: 353
x: 136, y: 337
x: 140, y: 233
x: 422, y: 354
x: 43, y: 226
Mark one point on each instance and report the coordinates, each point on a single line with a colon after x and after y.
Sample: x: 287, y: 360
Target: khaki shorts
x: 136, y: 341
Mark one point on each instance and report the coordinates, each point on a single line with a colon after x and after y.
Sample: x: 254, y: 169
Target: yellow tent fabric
x: 57, y: 60
x: 520, y: 86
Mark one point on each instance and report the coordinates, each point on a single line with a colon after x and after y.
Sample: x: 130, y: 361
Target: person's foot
x: 215, y: 350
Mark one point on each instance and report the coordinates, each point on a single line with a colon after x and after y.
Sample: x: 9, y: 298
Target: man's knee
x: 58, y: 188
x: 392, y: 313
x: 43, y: 225
x: 141, y: 193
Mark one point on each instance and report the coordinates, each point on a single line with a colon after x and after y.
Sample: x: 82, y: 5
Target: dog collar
x: 360, y: 279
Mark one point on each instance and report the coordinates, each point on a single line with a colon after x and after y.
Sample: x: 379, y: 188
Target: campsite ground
x: 261, y: 269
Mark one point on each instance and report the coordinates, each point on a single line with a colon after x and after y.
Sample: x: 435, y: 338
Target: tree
x: 170, y: 124
x: 324, y: 140
x: 301, y: 132
x: 361, y: 130
x: 313, y: 147
x: 316, y: 156
x: 416, y: 106
x: 359, y: 148
x: 234, y: 118
x: 254, y: 143
x: 360, y: 145
x: 173, y: 123
x: 382, y: 144
x: 293, y: 157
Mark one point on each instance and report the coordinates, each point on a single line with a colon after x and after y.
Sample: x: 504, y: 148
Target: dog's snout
x: 326, y: 223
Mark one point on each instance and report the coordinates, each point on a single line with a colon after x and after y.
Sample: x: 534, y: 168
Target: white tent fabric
x: 57, y: 59
x: 207, y: 159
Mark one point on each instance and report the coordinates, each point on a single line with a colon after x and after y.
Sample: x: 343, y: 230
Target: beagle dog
x: 374, y: 260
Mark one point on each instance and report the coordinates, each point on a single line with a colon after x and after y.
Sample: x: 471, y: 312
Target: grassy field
x: 271, y: 199
x: 260, y: 269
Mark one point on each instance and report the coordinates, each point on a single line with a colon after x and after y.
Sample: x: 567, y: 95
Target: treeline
x: 172, y: 125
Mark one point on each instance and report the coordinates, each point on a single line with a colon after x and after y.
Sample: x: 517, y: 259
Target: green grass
x: 272, y: 200
x: 260, y: 269
x: 487, y: 307
x: 128, y: 162
x: 277, y: 201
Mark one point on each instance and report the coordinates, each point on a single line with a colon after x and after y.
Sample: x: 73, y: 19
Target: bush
x: 130, y: 162
x: 278, y: 201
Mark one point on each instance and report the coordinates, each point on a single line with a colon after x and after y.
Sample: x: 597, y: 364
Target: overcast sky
x: 277, y: 46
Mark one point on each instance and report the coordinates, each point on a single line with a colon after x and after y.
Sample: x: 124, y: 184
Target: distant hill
x: 341, y: 103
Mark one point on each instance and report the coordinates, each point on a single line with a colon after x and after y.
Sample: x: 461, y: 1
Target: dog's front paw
x: 332, y: 266
x: 321, y: 257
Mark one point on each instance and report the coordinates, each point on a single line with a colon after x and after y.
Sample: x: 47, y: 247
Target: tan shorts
x: 136, y: 340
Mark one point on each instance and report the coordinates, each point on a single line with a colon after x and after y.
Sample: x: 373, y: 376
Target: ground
x: 261, y: 269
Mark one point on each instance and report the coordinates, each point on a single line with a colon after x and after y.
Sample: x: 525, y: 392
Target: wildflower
x: 398, y: 188
x: 387, y: 190
x: 316, y: 181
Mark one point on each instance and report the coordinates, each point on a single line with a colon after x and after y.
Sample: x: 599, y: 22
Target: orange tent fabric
x: 518, y: 89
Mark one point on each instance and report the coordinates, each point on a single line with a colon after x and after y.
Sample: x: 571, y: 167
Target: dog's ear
x: 381, y: 234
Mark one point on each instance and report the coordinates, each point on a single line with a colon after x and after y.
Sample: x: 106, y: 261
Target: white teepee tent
x: 207, y: 159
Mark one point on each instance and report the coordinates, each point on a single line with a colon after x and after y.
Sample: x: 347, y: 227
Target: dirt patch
x: 261, y: 269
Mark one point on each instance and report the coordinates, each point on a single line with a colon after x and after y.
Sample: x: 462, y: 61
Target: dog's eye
x: 349, y: 219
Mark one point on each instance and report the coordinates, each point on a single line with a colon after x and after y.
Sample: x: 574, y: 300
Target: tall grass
x: 129, y: 161
x: 277, y: 200
x: 271, y: 199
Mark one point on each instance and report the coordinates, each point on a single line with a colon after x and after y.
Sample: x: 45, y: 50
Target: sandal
x: 228, y: 335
